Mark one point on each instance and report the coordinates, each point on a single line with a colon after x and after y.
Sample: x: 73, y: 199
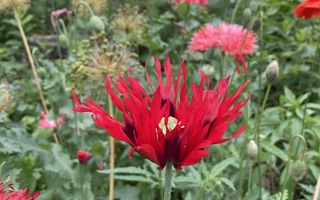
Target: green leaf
x: 127, y: 192
x: 61, y: 163
x: 228, y: 183
x: 289, y: 94
x: 280, y: 196
x: 135, y: 178
x: 124, y: 170
x: 217, y: 169
x: 274, y: 150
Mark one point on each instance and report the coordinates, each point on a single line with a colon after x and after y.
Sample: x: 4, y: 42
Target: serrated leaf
x: 228, y: 183
x: 274, y: 150
x: 280, y: 196
x: 61, y: 163
x: 16, y: 141
x: 217, y: 169
x: 136, y: 178
x: 308, y: 188
x: 124, y: 170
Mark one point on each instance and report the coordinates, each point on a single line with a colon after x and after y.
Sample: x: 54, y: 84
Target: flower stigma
x: 172, y: 123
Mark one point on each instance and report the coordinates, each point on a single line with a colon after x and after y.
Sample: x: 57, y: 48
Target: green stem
x: 289, y: 158
x: 242, y: 43
x: 256, y: 129
x: 76, y: 24
x: 112, y: 151
x: 257, y: 133
x: 249, y: 181
x: 168, y: 180
x: 235, y: 10
x: 85, y: 5
x: 221, y: 65
x: 307, y: 100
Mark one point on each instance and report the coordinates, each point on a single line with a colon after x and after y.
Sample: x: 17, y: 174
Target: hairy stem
x: 168, y: 180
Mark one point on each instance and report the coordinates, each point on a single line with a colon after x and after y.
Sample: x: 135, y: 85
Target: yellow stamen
x: 172, y: 123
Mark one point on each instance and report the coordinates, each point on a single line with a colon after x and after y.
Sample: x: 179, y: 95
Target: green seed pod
x: 63, y: 40
x: 247, y: 14
x: 254, y: 5
x: 96, y: 24
x: 299, y: 169
x: 256, y: 25
x: 272, y: 71
x: 252, y: 150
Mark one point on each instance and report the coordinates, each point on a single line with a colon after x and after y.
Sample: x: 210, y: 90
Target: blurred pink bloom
x: 45, y: 123
x: 57, y: 13
x: 101, y: 165
x: 199, y: 2
x: 233, y: 39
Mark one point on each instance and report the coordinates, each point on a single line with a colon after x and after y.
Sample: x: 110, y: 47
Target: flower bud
x: 252, y: 150
x: 247, y: 14
x: 254, y: 5
x: 207, y: 70
x: 272, y: 71
x: 299, y: 169
x: 96, y: 24
x: 63, y: 40
x: 83, y: 156
x: 256, y: 25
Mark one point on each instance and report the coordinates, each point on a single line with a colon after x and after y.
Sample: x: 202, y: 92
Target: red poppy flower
x: 83, y: 156
x: 168, y: 127
x: 308, y: 9
x: 7, y: 192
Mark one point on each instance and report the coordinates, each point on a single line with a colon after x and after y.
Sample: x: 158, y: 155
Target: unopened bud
x: 63, y: 40
x: 272, y: 71
x: 247, y: 14
x: 252, y: 150
x: 299, y: 169
x: 254, y: 5
x: 83, y: 156
x: 207, y: 70
x: 256, y: 25
x: 96, y: 24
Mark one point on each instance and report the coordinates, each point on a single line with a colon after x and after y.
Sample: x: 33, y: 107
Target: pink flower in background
x: 57, y: 13
x: 233, y: 39
x: 45, y: 123
x: 204, y: 39
x: 199, y: 2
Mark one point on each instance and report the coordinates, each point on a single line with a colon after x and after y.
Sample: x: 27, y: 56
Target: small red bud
x: 83, y: 156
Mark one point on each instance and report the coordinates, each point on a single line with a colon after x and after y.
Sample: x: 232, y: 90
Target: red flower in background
x: 308, y: 9
x: 168, y: 127
x: 83, y: 156
x: 7, y: 192
x: 233, y: 39
x: 199, y: 2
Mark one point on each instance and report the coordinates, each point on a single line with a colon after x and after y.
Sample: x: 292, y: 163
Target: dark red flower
x: 83, y: 156
x: 7, y: 192
x: 168, y: 127
x: 308, y: 9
